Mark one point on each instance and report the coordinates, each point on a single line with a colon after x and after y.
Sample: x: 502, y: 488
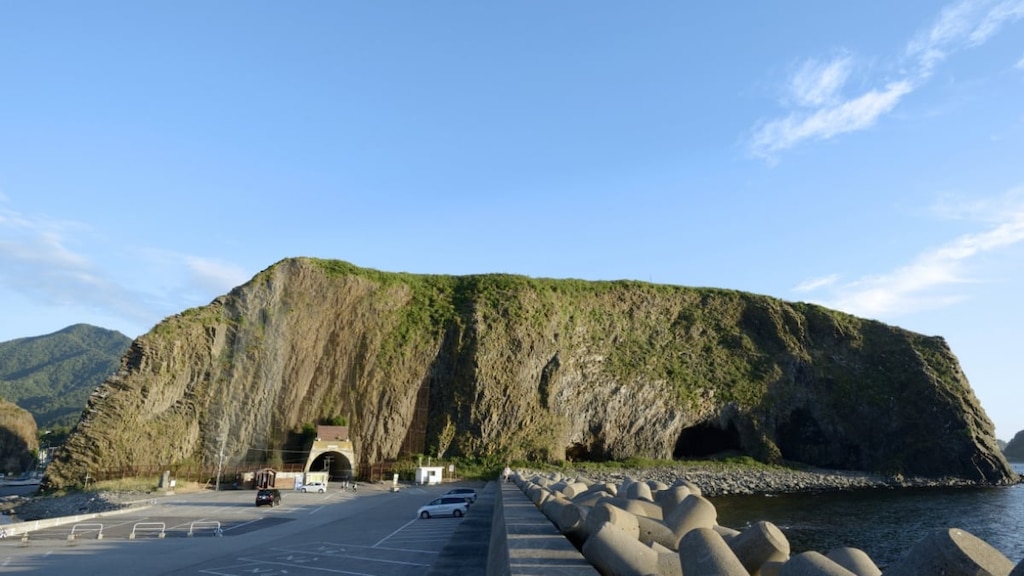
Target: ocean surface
x: 885, y: 523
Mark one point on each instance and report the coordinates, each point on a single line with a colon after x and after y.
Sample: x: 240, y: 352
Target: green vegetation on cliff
x: 18, y: 444
x: 508, y: 367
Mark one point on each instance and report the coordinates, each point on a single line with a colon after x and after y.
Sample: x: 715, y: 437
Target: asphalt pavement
x: 371, y: 532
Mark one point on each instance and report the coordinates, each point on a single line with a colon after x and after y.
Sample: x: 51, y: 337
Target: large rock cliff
x: 1014, y: 450
x: 18, y: 442
x: 529, y: 368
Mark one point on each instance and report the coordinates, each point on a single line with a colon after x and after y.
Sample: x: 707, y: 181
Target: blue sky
x: 868, y: 157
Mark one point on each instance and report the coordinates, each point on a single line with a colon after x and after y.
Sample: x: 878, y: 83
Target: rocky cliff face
x: 18, y: 443
x: 1014, y: 449
x: 520, y: 367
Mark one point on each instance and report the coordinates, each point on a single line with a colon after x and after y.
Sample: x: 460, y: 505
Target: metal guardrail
x: 84, y: 527
x: 148, y: 527
x: 211, y: 525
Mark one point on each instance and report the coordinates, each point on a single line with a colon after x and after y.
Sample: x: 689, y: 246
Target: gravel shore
x: 24, y: 508
x: 716, y: 479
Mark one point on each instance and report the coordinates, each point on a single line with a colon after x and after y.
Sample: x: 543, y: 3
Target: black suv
x: 270, y: 496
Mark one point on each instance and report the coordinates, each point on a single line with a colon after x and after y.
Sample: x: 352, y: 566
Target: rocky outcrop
x: 18, y: 441
x: 517, y: 367
x: 1014, y: 449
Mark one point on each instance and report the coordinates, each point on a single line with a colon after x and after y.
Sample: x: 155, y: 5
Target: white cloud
x: 851, y: 115
x: 217, y: 276
x: 1020, y: 64
x: 50, y: 265
x: 816, y: 283
x: 818, y: 83
x: 962, y: 25
x: 929, y: 281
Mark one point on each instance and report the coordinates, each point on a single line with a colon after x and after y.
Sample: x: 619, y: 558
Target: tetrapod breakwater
x: 640, y: 527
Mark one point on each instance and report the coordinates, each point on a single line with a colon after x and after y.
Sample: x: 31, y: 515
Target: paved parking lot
x: 373, y: 532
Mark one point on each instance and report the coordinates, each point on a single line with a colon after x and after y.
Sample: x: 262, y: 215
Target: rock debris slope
x: 519, y: 367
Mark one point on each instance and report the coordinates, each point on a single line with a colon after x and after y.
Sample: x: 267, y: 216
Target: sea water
x: 883, y: 522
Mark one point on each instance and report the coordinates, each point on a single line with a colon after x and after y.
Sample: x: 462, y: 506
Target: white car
x: 467, y: 493
x: 456, y: 506
x: 319, y: 487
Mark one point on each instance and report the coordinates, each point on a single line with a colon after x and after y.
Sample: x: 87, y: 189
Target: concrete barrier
x: 951, y: 552
x: 693, y: 512
x: 603, y: 512
x: 762, y: 542
x: 669, y: 498
x: 855, y: 560
x: 655, y: 531
x: 524, y: 542
x: 622, y: 535
x: 612, y: 551
x: 638, y: 507
x: 21, y: 528
x: 639, y: 491
x: 703, y: 552
x: 814, y: 563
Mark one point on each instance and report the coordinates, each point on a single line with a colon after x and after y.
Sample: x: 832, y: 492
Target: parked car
x: 314, y: 487
x: 467, y: 493
x: 271, y: 496
x: 456, y: 506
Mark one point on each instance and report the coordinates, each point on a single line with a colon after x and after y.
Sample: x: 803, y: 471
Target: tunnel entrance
x: 706, y: 439
x: 337, y: 466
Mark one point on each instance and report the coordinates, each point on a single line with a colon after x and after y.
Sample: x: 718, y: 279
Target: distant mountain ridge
x: 51, y: 376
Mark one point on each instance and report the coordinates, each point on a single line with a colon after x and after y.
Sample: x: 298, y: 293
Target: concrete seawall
x: 20, y: 528
x: 523, y: 541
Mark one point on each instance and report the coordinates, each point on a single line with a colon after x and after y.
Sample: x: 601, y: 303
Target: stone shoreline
x: 27, y: 508
x: 729, y: 479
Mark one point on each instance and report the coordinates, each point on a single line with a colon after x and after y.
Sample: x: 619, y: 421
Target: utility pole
x: 220, y: 459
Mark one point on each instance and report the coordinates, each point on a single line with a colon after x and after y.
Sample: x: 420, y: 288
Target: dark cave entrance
x: 706, y: 439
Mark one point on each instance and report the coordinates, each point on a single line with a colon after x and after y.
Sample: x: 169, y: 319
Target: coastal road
x: 373, y: 532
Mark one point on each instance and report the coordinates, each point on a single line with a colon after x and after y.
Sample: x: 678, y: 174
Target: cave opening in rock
x: 801, y: 439
x: 706, y: 439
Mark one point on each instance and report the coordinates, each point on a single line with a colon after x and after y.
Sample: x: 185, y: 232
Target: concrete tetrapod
x: 638, y: 507
x: 762, y: 542
x: 639, y: 491
x: 574, y: 489
x: 815, y: 564
x: 669, y: 498
x: 567, y: 517
x: 668, y: 561
x: 693, y: 512
x: 703, y: 552
x: 604, y: 513
x: 652, y: 530
x: 612, y: 551
x: 952, y: 552
x: 855, y: 560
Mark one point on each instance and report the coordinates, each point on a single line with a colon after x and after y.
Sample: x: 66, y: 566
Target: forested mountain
x: 52, y: 376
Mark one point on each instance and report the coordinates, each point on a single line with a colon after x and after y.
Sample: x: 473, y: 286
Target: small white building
x: 429, y: 474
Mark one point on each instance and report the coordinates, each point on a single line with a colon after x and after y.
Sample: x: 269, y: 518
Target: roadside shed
x: 429, y: 474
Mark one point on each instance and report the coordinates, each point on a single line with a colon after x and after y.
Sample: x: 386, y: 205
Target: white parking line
x: 406, y: 525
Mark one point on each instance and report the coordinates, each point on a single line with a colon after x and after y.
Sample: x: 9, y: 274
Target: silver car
x: 456, y: 506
